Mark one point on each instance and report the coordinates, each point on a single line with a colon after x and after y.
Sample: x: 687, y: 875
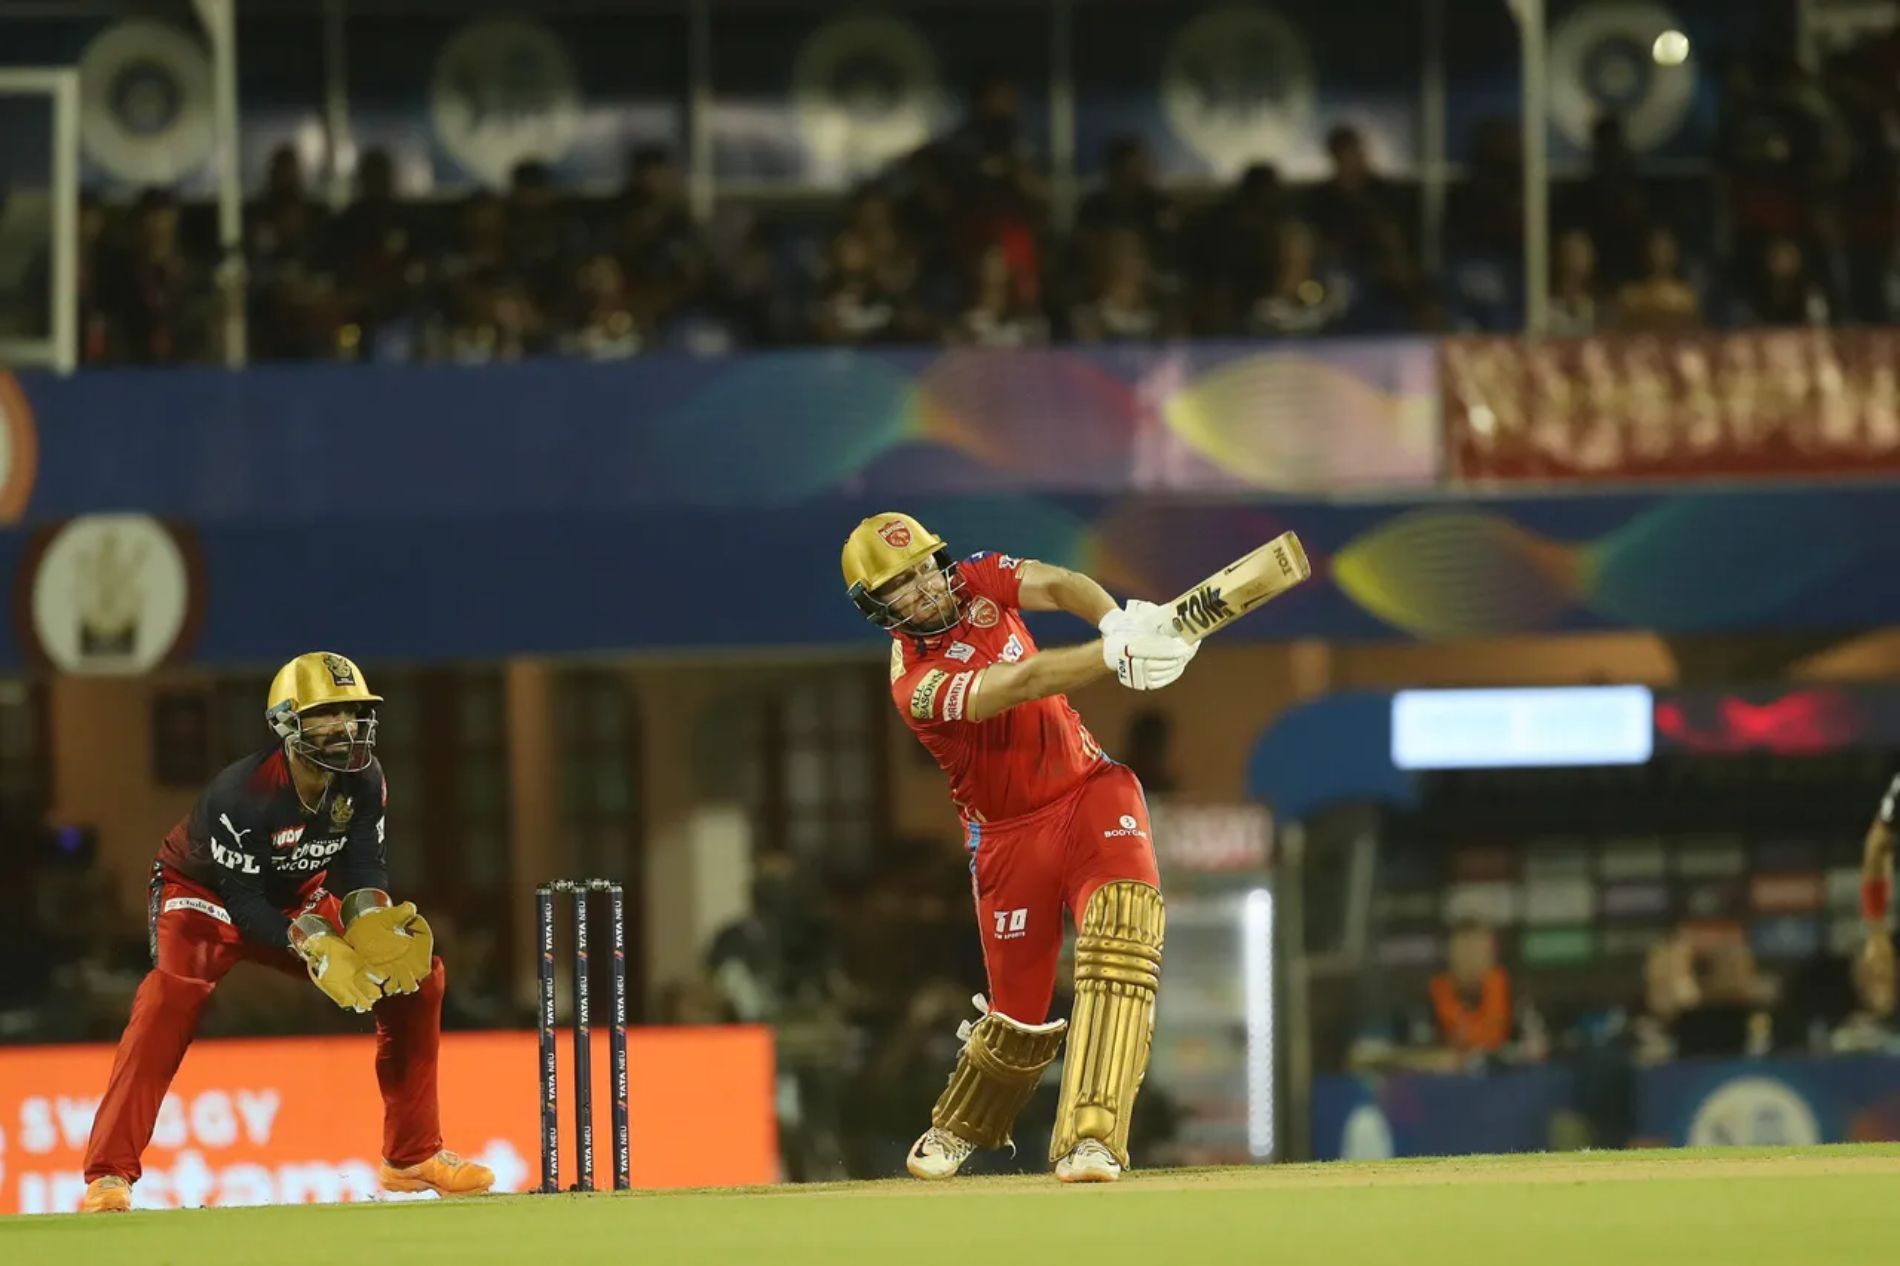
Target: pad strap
x: 1117, y: 971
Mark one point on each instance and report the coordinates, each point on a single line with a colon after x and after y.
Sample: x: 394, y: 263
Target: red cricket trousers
x: 1028, y: 870
x: 193, y: 945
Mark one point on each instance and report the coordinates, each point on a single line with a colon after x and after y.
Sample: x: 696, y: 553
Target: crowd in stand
x: 955, y: 243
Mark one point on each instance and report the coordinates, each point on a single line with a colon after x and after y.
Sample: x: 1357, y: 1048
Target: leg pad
x: 995, y: 1076
x: 1117, y: 970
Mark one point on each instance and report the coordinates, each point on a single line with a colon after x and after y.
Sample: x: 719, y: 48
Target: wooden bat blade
x: 1241, y: 586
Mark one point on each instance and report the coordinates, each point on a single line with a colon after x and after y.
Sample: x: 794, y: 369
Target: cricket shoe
x: 938, y: 1154
x: 1090, y: 1161
x: 445, y: 1173
x: 107, y: 1194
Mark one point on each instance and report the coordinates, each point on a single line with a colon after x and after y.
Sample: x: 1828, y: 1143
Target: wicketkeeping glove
x: 392, y: 939
x: 336, y: 968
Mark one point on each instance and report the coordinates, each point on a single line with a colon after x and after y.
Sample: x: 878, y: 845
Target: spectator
x: 1486, y: 234
x: 871, y: 217
x: 155, y: 299
x: 659, y: 246
x: 1472, y: 1007
x: 1573, y: 286
x: 752, y: 300
x: 1731, y: 1016
x: 1669, y: 990
x: 1613, y: 207
x: 1772, y: 155
x: 293, y: 311
x: 605, y: 326
x: 1121, y: 303
x: 541, y: 236
x: 856, y: 306
x: 1781, y: 289
x: 994, y: 315
x: 1129, y: 199
x: 1233, y: 256
x: 1150, y: 751
x: 1661, y: 300
x: 1356, y: 210
x: 1861, y: 85
x: 379, y: 274
x: 1305, y: 298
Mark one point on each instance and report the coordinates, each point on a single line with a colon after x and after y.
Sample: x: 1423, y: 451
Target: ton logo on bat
x: 1204, y: 610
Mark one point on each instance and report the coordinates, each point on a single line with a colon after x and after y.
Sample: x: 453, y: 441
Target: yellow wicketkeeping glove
x: 336, y: 968
x: 392, y: 940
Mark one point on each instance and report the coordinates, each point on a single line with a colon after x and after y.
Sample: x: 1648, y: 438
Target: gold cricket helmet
x: 884, y: 547
x: 323, y: 679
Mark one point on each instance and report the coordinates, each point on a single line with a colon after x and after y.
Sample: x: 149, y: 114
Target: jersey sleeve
x: 997, y: 577
x: 364, y: 860
x: 935, y: 692
x: 239, y: 840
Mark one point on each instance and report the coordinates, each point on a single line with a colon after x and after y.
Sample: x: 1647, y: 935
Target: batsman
x: 1051, y: 824
x: 251, y: 875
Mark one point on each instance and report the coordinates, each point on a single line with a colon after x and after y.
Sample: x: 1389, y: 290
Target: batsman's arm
x: 1001, y: 687
x: 1046, y: 587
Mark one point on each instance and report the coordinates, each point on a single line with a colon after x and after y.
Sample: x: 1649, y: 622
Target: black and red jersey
x: 250, y: 839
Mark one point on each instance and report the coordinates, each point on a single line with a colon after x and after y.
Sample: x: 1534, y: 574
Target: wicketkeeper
x: 251, y: 875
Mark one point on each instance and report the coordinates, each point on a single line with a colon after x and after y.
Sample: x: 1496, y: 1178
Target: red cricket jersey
x: 1017, y: 761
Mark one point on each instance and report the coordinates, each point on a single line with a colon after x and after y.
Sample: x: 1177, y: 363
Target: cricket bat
x: 1240, y: 586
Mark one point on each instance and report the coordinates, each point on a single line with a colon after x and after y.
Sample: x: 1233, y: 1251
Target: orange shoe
x: 445, y: 1173
x: 107, y: 1194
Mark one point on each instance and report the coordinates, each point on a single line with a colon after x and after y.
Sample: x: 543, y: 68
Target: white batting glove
x: 1150, y: 617
x: 1142, y: 659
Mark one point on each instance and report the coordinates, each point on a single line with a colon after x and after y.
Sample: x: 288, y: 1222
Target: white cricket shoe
x: 1090, y: 1161
x: 938, y: 1154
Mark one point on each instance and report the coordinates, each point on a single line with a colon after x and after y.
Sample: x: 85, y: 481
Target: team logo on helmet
x: 983, y: 613
x: 342, y: 672
x: 342, y: 809
x: 896, y: 534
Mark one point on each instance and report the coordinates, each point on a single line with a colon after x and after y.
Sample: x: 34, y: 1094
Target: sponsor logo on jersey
x: 234, y: 859
x: 984, y: 614
x: 1012, y: 650
x: 1012, y: 925
x: 312, y: 854
x: 1128, y: 827
x: 954, y: 698
x: 923, y: 700
x: 200, y: 905
x: 342, y: 809
x: 961, y: 652
x: 895, y: 533
x: 286, y: 837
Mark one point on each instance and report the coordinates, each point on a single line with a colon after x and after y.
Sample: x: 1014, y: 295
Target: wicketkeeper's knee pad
x: 1111, y: 1030
x: 995, y: 1076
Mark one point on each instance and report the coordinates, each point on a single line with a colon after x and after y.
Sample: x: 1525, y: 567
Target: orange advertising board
x: 297, y: 1120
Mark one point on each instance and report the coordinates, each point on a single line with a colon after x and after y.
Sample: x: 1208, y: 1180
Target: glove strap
x: 1874, y: 896
x: 361, y: 901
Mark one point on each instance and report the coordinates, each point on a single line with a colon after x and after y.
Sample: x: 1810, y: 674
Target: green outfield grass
x: 1833, y: 1206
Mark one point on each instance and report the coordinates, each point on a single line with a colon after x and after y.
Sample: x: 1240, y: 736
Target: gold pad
x: 994, y: 1078
x: 1117, y: 968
